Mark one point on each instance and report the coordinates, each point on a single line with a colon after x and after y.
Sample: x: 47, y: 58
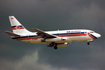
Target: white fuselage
x: 63, y: 36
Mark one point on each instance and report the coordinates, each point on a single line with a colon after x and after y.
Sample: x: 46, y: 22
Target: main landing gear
x: 53, y: 45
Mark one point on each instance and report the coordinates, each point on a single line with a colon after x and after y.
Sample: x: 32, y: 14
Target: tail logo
x: 17, y: 27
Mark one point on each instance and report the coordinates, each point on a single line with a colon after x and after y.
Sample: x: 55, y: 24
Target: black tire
x: 55, y: 47
x: 52, y: 44
x: 88, y: 43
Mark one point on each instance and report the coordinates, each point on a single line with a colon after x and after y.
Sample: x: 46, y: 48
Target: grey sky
x: 53, y: 15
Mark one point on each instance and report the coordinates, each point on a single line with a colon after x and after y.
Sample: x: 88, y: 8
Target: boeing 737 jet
x: 59, y: 38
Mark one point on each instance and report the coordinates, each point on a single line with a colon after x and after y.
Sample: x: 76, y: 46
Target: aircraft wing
x: 43, y: 34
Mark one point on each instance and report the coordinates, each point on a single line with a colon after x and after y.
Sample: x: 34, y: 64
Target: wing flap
x: 43, y: 34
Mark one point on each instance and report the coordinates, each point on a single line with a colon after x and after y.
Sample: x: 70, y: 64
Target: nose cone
x: 97, y: 35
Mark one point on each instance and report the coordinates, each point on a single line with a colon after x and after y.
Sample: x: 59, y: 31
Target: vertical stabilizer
x: 17, y: 27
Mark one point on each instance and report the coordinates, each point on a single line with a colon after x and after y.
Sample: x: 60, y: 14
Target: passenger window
x: 68, y: 31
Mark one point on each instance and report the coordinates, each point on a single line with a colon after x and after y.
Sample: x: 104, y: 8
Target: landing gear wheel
x: 88, y: 43
x: 55, y: 47
x: 52, y: 44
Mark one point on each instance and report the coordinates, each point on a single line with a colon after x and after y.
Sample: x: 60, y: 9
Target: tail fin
x: 17, y: 27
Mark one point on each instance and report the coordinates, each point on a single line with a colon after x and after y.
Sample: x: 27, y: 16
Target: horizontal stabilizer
x: 11, y: 34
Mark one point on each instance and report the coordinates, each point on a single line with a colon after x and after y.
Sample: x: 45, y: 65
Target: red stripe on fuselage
x: 27, y: 38
x: 90, y: 36
x: 72, y: 35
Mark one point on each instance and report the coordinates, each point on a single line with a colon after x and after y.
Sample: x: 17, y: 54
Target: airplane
x: 55, y: 39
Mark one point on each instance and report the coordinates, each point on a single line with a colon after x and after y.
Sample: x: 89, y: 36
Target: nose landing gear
x: 88, y: 43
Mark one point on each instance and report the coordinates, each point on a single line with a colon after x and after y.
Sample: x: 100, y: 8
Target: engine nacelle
x: 62, y: 45
x: 58, y: 44
x: 57, y: 40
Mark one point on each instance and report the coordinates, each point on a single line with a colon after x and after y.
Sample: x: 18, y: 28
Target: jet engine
x: 58, y: 44
x: 57, y: 40
x: 62, y: 44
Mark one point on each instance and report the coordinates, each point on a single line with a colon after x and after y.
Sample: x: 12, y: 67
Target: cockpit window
x: 92, y: 32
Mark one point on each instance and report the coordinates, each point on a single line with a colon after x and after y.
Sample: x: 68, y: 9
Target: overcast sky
x: 53, y: 15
